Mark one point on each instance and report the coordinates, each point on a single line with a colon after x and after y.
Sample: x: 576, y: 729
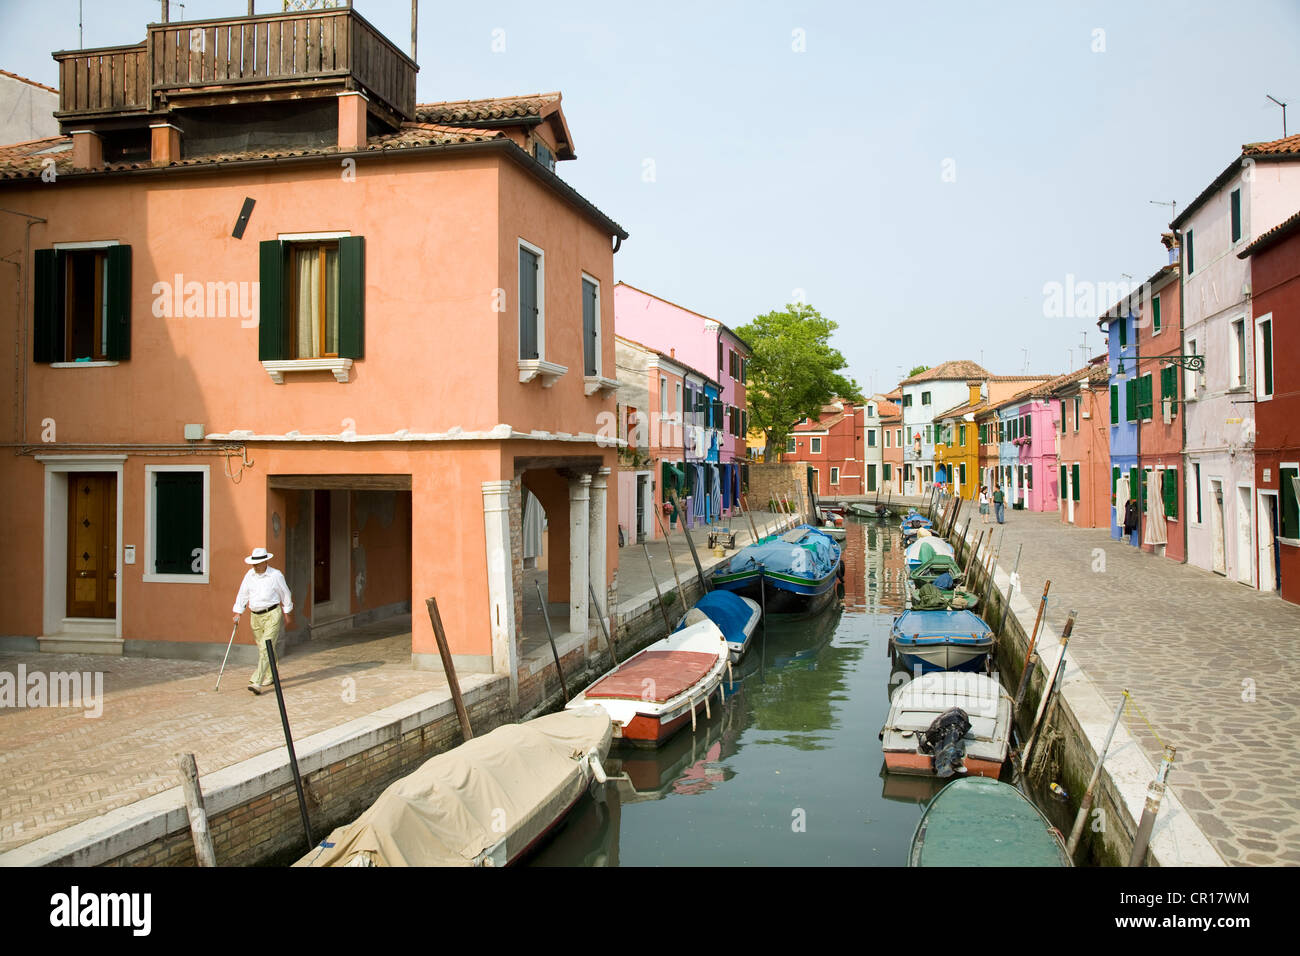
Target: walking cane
x: 227, y: 657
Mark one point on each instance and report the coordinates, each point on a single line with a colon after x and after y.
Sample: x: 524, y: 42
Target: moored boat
x: 978, y: 821
x: 488, y: 802
x: 651, y: 696
x: 792, y: 573
x: 737, y: 617
x: 919, y: 739
x: 941, y: 640
x: 924, y: 549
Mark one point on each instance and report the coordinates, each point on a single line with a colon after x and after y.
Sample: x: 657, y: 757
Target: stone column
x: 599, y: 531
x: 501, y: 599
x: 579, y: 541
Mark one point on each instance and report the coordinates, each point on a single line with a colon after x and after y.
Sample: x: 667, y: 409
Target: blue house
x: 1122, y: 343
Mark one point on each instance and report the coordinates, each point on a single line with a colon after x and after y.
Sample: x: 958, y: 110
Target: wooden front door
x: 92, y: 544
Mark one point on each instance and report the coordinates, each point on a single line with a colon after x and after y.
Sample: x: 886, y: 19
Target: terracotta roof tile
x: 958, y: 369
x: 493, y: 109
x: 1276, y: 147
x: 1271, y: 238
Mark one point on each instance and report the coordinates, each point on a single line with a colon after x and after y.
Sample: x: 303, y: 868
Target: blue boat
x: 799, y: 569
x: 736, y: 616
x: 942, y: 640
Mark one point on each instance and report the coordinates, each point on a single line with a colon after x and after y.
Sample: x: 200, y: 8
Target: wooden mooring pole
x: 659, y: 598
x: 1155, y: 793
x: 1048, y: 693
x: 1077, y: 830
x: 288, y: 743
x: 198, y: 814
x: 1025, y: 672
x: 546, y: 616
x: 448, y: 668
x: 609, y: 641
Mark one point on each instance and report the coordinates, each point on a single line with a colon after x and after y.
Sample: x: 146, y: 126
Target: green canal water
x: 788, y: 772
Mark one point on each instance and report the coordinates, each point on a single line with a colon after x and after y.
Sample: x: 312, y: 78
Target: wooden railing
x: 110, y: 79
x: 294, y: 48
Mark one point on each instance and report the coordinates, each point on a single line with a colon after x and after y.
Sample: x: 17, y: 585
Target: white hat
x: 258, y: 556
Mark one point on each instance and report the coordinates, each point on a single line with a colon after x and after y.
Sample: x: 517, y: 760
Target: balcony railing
x: 230, y: 55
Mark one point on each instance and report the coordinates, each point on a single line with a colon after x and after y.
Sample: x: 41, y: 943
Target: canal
x: 788, y: 772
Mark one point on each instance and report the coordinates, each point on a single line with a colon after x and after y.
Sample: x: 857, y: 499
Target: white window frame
x: 1236, y: 354
x: 814, y: 446
x: 663, y: 396
x: 791, y: 446
x: 150, y: 576
x: 1154, y: 331
x: 1281, y: 467
x: 1191, y: 379
x: 1259, y: 358
x: 598, y: 382
x: 835, y: 475
x: 1193, y: 499
x: 888, y: 437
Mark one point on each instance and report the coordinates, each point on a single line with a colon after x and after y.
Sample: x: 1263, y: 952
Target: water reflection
x: 786, y: 772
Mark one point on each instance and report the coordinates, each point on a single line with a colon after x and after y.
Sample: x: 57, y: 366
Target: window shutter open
x: 1062, y: 491
x: 1266, y: 359
x: 527, y: 304
x: 272, y: 324
x: 1130, y: 400
x: 118, y: 340
x: 47, y: 311
x: 1171, y: 492
x: 352, y: 297
x: 589, y: 328
x: 1114, y: 404
x: 1074, y: 476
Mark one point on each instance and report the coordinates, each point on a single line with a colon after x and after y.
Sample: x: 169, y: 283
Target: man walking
x: 265, y: 594
x: 999, y: 502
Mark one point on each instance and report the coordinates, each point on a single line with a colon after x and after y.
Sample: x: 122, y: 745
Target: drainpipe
x: 1182, y: 350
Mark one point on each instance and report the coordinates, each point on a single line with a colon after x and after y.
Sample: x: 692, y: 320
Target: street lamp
x: 1193, y: 363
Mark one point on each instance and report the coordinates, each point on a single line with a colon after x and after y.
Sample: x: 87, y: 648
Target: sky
x: 919, y: 173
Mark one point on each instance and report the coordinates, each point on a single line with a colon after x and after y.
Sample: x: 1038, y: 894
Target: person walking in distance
x: 999, y: 503
x: 266, y: 595
x: 984, y: 503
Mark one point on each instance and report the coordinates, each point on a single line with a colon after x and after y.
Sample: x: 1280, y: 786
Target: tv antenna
x: 1283, y: 105
x: 1172, y: 204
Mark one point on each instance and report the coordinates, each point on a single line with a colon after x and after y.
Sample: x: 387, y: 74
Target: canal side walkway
x: 84, y: 789
x: 1211, y: 664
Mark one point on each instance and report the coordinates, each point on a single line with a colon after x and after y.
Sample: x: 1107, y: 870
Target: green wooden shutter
x: 1155, y: 314
x: 177, y: 521
x: 1170, y: 490
x: 590, y: 328
x: 1074, y: 475
x: 1114, y: 483
x: 1061, y: 493
x: 1266, y: 359
x: 1114, y: 404
x: 1290, y: 505
x: 1130, y: 400
x: 1235, y: 199
x: 1062, y: 416
x: 47, y: 311
x: 272, y: 322
x: 1123, y: 332
x: 352, y: 297
x: 118, y: 263
x: 1145, y: 400
x: 1187, y: 252
x: 527, y: 304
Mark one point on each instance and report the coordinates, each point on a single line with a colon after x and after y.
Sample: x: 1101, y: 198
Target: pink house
x: 1027, y: 426
x: 701, y: 343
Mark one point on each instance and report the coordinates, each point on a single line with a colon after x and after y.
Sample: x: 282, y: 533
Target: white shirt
x: 984, y: 497
x: 260, y: 591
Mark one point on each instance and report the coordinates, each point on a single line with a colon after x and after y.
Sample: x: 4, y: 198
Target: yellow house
x: 956, y: 444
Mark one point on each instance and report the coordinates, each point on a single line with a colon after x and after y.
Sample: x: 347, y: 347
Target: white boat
x: 937, y: 546
x: 488, y: 802
x: 736, y: 616
x: 915, y: 705
x: 651, y: 696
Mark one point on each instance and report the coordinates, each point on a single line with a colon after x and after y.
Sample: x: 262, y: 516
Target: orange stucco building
x: 354, y: 345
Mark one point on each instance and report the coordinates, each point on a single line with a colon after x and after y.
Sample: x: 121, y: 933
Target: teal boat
x: 978, y: 821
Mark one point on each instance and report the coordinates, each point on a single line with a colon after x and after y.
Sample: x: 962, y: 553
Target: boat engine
x: 943, y: 739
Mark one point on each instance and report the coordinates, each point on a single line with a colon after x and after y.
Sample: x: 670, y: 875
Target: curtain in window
x: 1155, y: 524
x: 534, y: 522
x: 311, y: 308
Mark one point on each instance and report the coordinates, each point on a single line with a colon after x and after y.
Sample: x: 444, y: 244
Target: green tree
x: 793, y: 372
x: 918, y: 370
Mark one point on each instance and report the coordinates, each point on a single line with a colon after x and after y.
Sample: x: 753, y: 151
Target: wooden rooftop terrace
x: 237, y: 60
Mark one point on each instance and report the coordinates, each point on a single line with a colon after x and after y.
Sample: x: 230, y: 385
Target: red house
x: 834, y: 447
x: 1275, y: 286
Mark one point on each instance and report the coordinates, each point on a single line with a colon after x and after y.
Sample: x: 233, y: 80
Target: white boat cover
x: 506, y: 787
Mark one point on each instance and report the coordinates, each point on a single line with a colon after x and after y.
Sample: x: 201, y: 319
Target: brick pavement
x: 59, y: 767
x: 1192, y: 647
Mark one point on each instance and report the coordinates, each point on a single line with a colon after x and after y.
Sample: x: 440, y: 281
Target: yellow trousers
x: 266, y: 627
